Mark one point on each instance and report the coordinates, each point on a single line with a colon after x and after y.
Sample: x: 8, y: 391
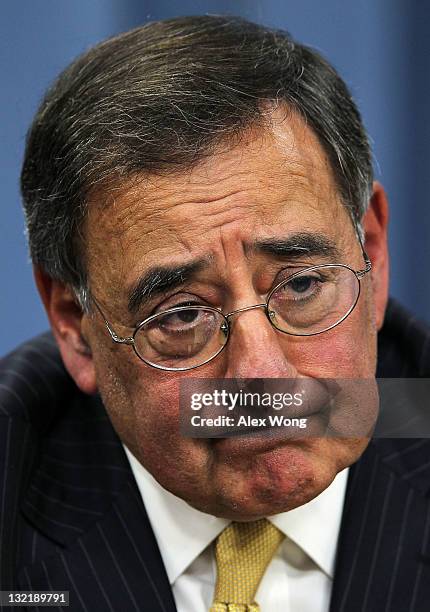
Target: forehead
x: 272, y: 181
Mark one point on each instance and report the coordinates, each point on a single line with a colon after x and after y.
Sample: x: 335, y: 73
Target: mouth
x: 265, y: 439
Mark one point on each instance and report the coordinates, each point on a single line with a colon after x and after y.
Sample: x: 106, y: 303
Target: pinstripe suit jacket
x: 71, y: 516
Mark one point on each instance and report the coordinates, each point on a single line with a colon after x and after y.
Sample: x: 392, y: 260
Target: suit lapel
x: 383, y: 558
x: 83, y: 525
x: 114, y: 565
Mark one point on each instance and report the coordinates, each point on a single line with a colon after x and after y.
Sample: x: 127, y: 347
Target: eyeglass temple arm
x: 363, y: 271
x: 112, y: 333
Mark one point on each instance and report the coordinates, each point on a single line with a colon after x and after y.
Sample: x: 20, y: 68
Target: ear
x: 375, y: 224
x: 66, y: 318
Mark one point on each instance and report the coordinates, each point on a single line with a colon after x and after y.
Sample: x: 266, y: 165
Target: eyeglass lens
x: 314, y: 300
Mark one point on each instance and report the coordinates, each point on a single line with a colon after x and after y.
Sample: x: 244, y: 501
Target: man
x: 219, y: 171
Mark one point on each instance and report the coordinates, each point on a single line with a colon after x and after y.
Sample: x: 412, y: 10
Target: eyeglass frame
x: 130, y: 340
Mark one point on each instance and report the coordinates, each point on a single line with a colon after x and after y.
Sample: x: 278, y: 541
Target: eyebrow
x: 298, y: 245
x: 158, y: 280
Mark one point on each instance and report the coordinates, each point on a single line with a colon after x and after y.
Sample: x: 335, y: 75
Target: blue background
x: 380, y: 47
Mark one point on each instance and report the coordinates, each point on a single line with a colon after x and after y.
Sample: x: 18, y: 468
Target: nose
x: 255, y: 348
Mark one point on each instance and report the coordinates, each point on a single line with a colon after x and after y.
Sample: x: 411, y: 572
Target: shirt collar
x: 182, y: 532
x: 314, y: 527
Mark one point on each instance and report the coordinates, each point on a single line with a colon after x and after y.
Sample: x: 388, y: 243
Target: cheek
x: 346, y: 351
x: 143, y: 405
x: 131, y: 394
x: 149, y: 400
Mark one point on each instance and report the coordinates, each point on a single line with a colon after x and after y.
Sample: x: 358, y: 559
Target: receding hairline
x: 274, y: 118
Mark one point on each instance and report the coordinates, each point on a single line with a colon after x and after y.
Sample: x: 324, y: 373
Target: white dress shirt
x: 299, y: 577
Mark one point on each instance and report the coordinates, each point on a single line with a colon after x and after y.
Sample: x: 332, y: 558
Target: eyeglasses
x: 309, y: 302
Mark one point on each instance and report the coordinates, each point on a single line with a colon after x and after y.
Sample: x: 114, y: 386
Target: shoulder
x: 33, y: 381
x: 403, y: 345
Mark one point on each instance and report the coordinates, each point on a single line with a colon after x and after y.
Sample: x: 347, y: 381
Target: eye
x: 302, y: 284
x: 187, y: 316
x: 303, y: 287
x: 181, y: 334
x: 182, y: 320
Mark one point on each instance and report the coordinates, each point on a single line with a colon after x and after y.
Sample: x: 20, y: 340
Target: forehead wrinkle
x: 291, y: 174
x: 211, y: 191
x: 295, y: 183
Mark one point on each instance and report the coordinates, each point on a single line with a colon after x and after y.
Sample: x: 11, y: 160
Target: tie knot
x: 242, y: 552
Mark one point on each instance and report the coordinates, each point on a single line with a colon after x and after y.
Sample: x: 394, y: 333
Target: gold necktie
x: 243, y: 551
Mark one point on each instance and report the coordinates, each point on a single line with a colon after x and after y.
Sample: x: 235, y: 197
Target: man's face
x: 271, y: 186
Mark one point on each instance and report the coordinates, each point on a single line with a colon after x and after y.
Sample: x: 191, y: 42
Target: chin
x: 265, y: 483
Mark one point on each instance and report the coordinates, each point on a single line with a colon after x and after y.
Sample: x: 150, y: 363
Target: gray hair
x: 158, y: 99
